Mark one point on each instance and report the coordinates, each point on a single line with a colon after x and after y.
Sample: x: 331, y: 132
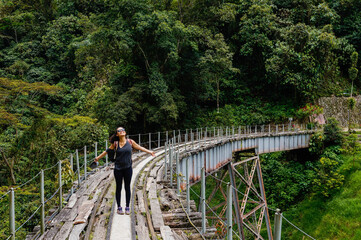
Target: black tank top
x: 124, y: 156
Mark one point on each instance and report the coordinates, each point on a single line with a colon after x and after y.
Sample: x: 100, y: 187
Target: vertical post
x: 283, y: 127
x: 96, y: 149
x: 187, y: 182
x: 165, y: 161
x: 203, y: 199
x: 77, y: 165
x: 60, y: 187
x: 229, y: 212
x: 205, y: 133
x: 173, y: 134
x: 214, y: 132
x: 106, y: 156
x: 278, y: 224
x: 166, y: 136
x: 12, y: 214
x: 232, y: 131
x: 255, y: 129
x: 72, y: 169
x: 277, y: 129
x: 192, y: 136
x: 42, y: 213
x: 263, y: 195
x: 177, y: 172
x: 158, y: 139
x: 150, y: 141
x: 85, y: 160
x: 140, y: 144
x: 269, y: 128
x: 171, y: 164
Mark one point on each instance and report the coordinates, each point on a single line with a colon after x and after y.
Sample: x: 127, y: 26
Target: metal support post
x: 96, y: 149
x: 255, y: 129
x: 60, y: 187
x: 197, y: 135
x: 85, y: 160
x: 277, y: 129
x: 140, y: 144
x: 42, y: 194
x: 171, y: 165
x: 263, y: 195
x: 106, y: 155
x: 187, y: 182
x: 165, y: 161
x: 229, y: 212
x: 203, y: 199
x: 269, y: 128
x: 12, y: 214
x: 239, y: 220
x: 214, y: 132
x: 278, y: 224
x: 173, y: 134
x: 205, y: 133
x: 158, y: 139
x: 150, y: 141
x: 192, y: 136
x: 166, y: 136
x: 177, y: 172
x: 232, y: 131
x: 72, y: 169
x: 283, y: 128
x: 77, y: 166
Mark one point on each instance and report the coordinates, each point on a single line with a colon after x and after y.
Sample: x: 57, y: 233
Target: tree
x: 217, y: 59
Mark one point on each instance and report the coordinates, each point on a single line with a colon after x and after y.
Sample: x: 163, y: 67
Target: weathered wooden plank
x: 157, y: 217
x: 166, y: 233
x: 72, y: 201
x: 64, y: 213
x: 64, y: 231
x: 153, y: 172
x: 140, y: 201
x: 51, y: 233
x: 84, y: 212
x: 160, y: 174
x: 142, y: 230
x: 74, y: 211
x: 150, y: 181
x: 76, y: 231
x: 152, y: 190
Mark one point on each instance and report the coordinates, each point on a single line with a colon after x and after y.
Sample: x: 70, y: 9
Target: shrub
x: 328, y: 177
x: 332, y: 132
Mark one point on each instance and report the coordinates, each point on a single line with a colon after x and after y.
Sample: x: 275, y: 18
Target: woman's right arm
x: 104, y: 153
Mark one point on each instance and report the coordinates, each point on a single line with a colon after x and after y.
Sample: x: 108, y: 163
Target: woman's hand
x: 96, y: 159
x: 153, y: 154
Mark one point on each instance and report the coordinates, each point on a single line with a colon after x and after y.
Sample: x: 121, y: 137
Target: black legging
x: 119, y: 175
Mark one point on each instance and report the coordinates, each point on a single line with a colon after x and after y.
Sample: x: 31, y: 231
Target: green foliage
x: 332, y: 132
x: 317, y: 143
x: 328, y: 177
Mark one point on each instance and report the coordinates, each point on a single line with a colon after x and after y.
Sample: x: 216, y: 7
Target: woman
x: 123, y: 164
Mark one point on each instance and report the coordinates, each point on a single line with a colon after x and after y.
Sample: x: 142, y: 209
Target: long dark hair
x: 113, y: 138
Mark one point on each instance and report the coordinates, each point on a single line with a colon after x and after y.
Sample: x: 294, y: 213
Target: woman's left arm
x: 136, y: 146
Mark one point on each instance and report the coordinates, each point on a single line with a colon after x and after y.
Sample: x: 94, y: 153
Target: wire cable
x: 27, y: 181
x: 4, y: 195
x: 297, y: 227
x: 51, y: 167
x: 32, y: 215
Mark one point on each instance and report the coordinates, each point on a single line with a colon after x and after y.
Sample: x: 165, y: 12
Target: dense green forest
x: 73, y: 70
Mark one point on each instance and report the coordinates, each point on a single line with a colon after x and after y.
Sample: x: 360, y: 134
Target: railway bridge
x: 203, y: 184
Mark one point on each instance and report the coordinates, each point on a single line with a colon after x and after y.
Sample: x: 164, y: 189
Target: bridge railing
x: 80, y: 159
